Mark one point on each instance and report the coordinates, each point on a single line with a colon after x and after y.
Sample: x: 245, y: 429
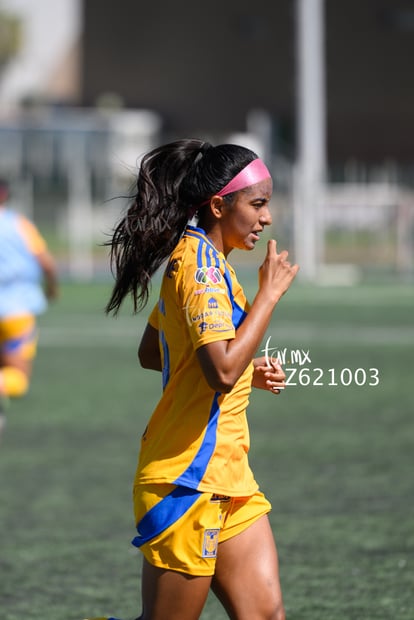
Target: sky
x: 49, y: 29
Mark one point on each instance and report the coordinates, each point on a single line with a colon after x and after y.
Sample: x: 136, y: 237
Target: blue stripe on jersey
x: 196, y: 470
x: 164, y: 514
x: 204, y: 243
x: 239, y: 314
x: 212, y: 256
x: 200, y: 254
x: 166, y: 359
x: 194, y: 231
x: 204, y: 246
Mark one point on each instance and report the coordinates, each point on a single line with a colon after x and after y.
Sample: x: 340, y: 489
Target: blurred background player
x: 28, y: 278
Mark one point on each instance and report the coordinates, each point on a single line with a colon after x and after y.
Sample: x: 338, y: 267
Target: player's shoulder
x: 10, y: 214
x: 182, y: 258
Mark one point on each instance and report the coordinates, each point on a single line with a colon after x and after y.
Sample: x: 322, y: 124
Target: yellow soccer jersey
x: 196, y: 437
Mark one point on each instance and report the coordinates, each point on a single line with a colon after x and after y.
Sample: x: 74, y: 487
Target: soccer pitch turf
x: 336, y: 461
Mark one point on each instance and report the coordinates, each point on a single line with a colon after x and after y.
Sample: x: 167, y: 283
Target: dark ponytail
x: 173, y: 181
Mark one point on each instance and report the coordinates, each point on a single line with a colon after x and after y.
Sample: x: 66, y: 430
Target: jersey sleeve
x: 31, y: 236
x: 206, y: 305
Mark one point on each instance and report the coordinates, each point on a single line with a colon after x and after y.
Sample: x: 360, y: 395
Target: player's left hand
x: 268, y: 375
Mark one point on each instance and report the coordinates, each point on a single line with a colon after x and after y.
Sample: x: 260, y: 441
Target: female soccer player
x: 201, y: 521
x: 28, y: 278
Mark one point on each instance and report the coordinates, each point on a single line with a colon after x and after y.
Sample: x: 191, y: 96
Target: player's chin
x: 250, y: 243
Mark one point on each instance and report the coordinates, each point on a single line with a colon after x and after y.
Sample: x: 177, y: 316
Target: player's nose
x: 265, y: 217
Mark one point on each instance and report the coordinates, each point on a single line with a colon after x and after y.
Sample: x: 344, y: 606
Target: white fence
x: 64, y: 175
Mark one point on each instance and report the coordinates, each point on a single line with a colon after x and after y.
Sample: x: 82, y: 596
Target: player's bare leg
x: 170, y: 595
x: 246, y: 580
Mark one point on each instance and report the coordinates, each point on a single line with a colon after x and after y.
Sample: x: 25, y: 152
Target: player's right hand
x: 276, y: 273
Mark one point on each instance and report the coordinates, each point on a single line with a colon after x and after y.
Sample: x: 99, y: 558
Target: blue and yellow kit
x: 197, y: 438
x: 20, y: 273
x: 21, y: 295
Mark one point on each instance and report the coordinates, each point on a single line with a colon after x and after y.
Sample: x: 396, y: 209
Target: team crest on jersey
x: 212, y: 302
x: 210, y: 543
x: 204, y: 275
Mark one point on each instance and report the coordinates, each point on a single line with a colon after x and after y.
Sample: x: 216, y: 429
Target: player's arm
x: 224, y: 361
x: 38, y: 248
x: 149, y: 351
x: 48, y: 266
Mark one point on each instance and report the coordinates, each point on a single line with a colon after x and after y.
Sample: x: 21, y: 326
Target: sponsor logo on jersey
x: 204, y: 275
x: 219, y: 315
x: 219, y: 326
x: 209, y: 289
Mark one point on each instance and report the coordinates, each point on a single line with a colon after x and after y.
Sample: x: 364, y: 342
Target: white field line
x: 282, y: 334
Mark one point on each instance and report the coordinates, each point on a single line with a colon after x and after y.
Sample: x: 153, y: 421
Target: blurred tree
x: 10, y: 37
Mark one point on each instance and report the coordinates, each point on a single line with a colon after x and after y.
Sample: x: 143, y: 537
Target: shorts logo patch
x: 210, y: 543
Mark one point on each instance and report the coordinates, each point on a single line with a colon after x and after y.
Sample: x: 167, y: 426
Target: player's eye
x: 259, y: 203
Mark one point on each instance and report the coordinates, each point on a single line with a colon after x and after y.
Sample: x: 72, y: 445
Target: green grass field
x: 337, y: 462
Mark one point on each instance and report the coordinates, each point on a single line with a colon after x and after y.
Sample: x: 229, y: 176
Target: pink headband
x: 253, y: 173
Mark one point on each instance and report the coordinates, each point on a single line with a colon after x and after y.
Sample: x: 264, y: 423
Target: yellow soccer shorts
x: 18, y: 335
x: 180, y: 529
x: 18, y: 341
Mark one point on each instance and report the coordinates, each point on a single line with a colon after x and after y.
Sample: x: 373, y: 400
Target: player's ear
x: 216, y: 206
